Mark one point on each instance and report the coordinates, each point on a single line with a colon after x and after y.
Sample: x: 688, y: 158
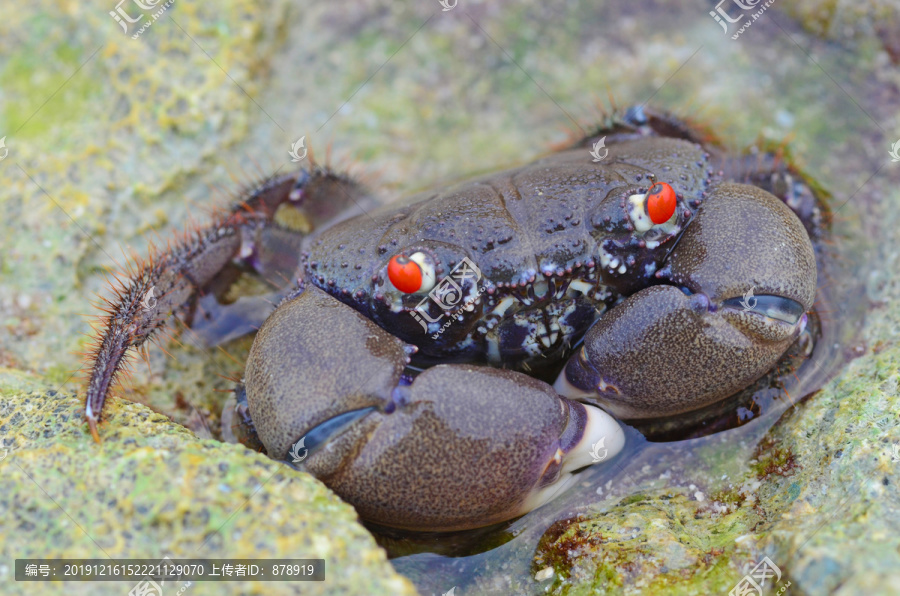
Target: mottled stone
x: 152, y: 489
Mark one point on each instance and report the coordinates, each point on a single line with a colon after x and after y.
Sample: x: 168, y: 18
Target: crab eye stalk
x: 413, y: 274
x: 405, y: 274
x: 661, y: 202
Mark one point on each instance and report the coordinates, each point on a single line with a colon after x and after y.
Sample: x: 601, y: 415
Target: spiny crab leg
x: 168, y: 279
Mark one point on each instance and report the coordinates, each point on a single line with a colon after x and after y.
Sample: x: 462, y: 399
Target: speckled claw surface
x: 742, y: 278
x: 457, y: 447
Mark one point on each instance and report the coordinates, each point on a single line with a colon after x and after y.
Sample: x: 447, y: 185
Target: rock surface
x: 152, y: 490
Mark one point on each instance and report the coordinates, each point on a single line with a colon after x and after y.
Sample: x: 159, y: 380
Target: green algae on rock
x: 822, y: 477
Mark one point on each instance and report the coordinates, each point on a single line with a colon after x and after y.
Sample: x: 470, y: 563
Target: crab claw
x: 743, y: 276
x: 458, y: 447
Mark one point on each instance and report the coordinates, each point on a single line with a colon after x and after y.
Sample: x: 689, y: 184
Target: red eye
x: 660, y: 202
x: 406, y: 275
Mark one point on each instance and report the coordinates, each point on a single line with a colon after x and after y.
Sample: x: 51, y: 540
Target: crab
x: 453, y: 360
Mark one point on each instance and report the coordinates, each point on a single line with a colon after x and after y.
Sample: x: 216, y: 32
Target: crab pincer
x: 459, y: 446
x: 739, y: 283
